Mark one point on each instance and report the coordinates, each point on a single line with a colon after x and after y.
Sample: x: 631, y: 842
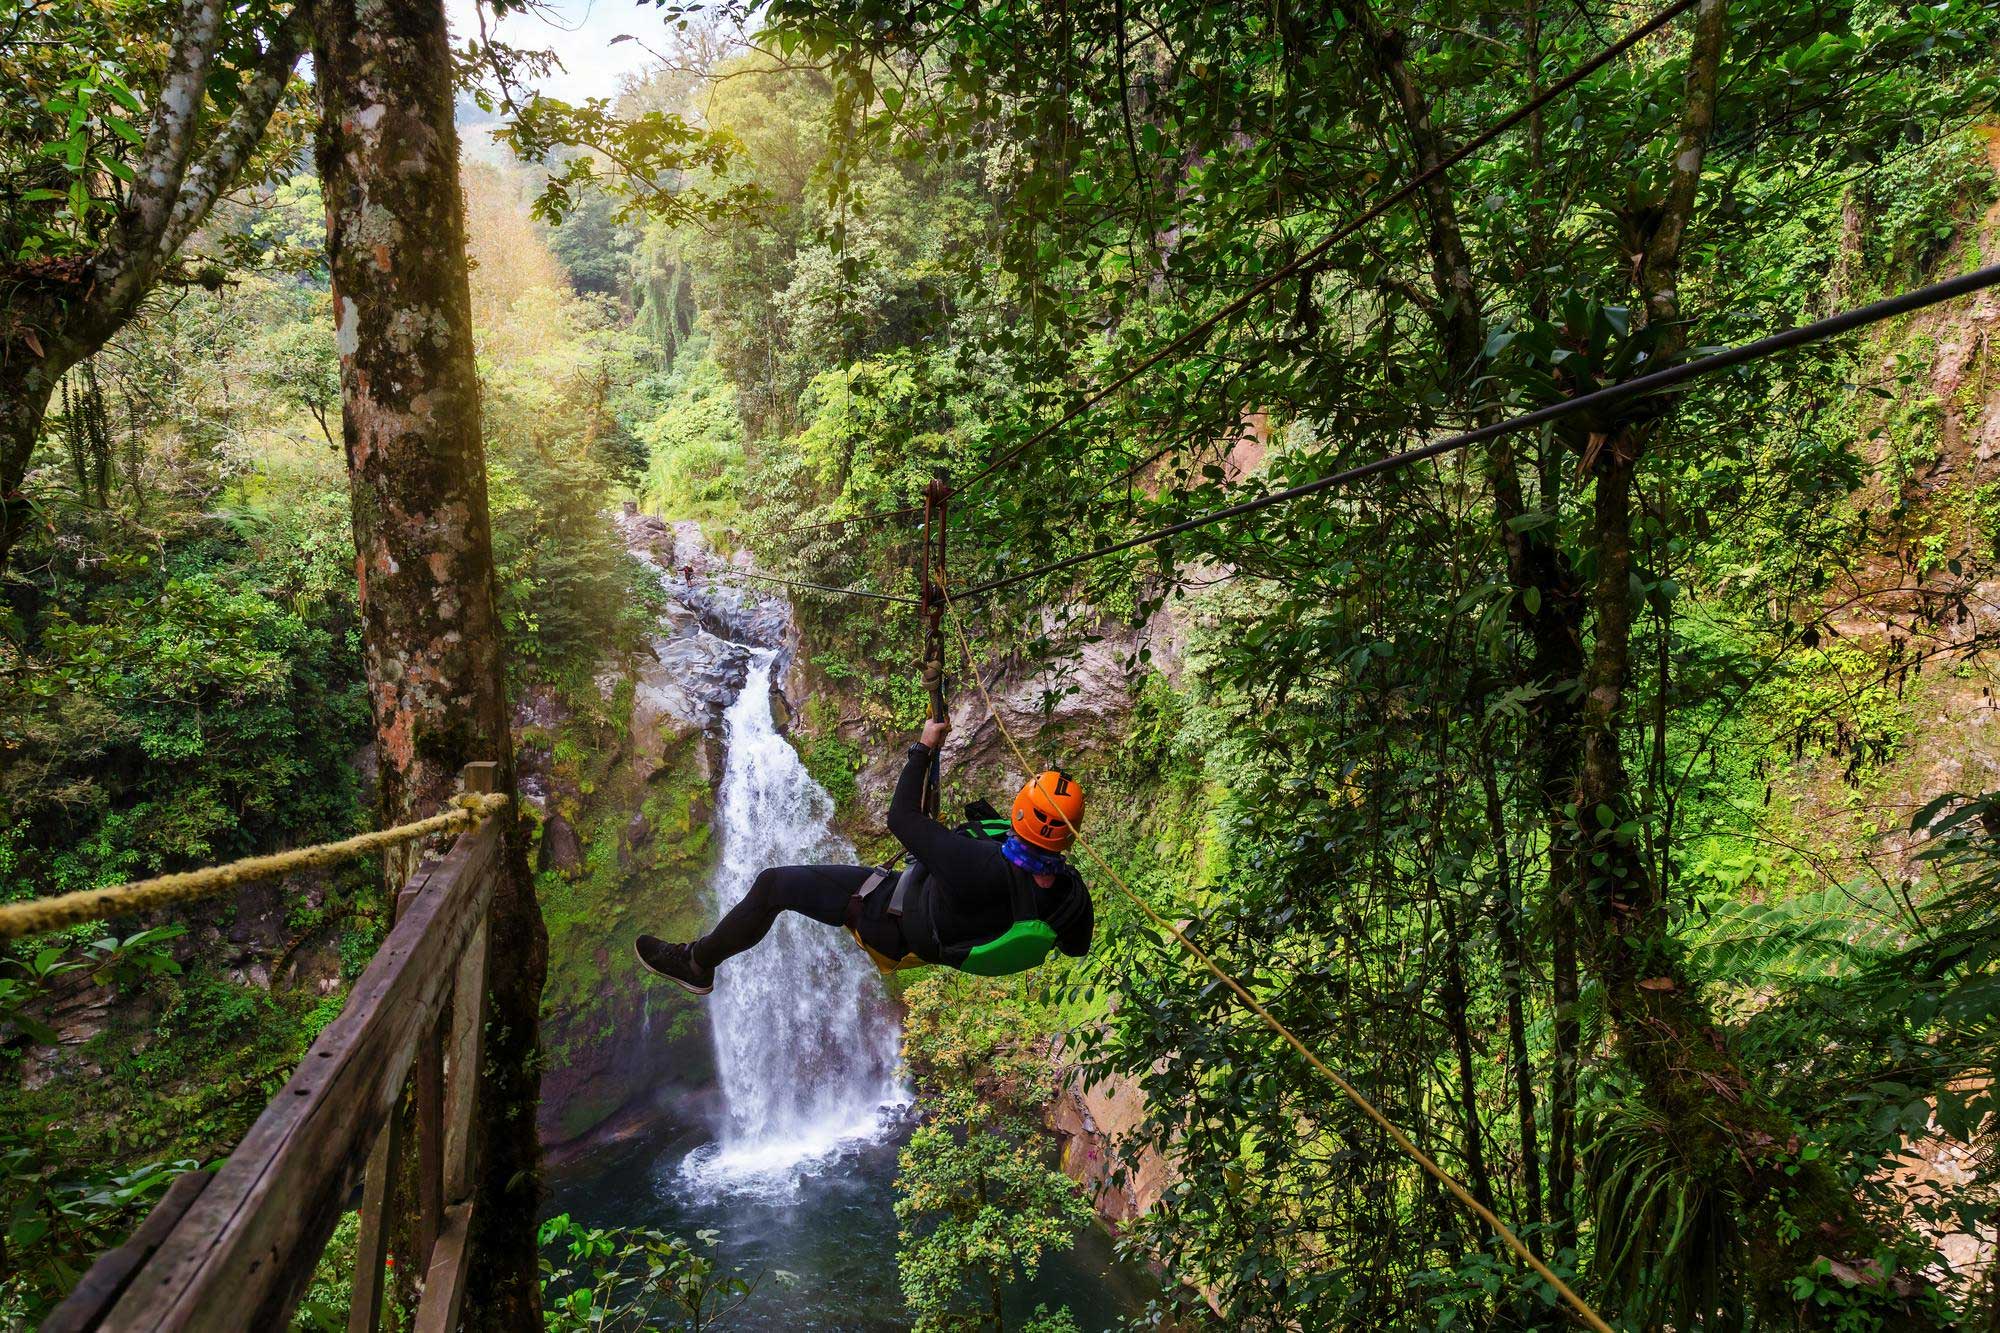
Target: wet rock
x: 256, y: 974
x: 681, y: 692
x: 259, y: 930
x: 561, y: 849
x: 728, y: 608
x: 77, y: 1011
x: 533, y: 791
x: 1094, y: 1118
x: 540, y: 708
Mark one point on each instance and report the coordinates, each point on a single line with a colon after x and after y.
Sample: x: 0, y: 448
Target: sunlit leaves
x: 657, y: 163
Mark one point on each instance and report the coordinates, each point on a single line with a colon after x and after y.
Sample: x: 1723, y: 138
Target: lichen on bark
x: 388, y: 163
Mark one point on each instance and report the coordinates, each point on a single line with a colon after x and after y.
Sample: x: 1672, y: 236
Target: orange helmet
x: 1047, y: 811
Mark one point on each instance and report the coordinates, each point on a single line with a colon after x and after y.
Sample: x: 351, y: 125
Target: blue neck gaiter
x: 1030, y: 858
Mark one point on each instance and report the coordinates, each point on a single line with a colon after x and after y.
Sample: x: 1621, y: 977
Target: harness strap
x: 912, y: 874
x: 856, y: 902
x: 860, y: 896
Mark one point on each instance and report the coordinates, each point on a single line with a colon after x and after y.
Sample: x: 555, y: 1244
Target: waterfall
x: 806, y: 1049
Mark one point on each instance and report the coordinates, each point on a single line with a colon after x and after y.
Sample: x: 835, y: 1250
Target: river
x: 793, y: 1169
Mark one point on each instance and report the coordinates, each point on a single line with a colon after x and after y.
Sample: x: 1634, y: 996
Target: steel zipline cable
x: 732, y: 572
x: 1802, y: 335
x: 879, y: 515
x: 1199, y: 332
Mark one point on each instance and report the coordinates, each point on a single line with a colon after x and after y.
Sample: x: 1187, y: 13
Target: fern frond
x: 1827, y: 935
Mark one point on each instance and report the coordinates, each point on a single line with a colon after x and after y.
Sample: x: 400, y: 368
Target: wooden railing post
x: 467, y: 1051
x: 430, y: 1142
x: 447, y: 1258
x: 371, y: 1252
x: 378, y: 1191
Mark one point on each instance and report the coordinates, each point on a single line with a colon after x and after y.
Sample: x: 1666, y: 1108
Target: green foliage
x: 978, y: 1200
x: 557, y: 405
x: 593, y: 245
x: 56, y: 1219
x: 81, y: 82
x: 325, y: 1305
x: 1925, y: 198
x: 181, y: 715
x: 636, y: 1278
x: 694, y: 450
x: 834, y: 763
x: 650, y: 155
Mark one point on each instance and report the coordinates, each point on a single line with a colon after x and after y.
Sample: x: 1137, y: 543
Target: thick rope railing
x: 39, y: 915
x: 1353, y: 1094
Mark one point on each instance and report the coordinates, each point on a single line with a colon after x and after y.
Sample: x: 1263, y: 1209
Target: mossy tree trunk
x: 388, y: 162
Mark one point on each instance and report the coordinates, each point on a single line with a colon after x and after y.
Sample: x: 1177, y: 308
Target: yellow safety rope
x: 1353, y: 1094
x: 44, y: 914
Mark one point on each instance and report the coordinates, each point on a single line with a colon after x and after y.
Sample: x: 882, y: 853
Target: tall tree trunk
x: 1600, y: 880
x: 28, y: 379
x: 1510, y: 929
x: 1730, y: 1143
x: 1457, y: 1000
x: 1564, y: 993
x: 388, y: 162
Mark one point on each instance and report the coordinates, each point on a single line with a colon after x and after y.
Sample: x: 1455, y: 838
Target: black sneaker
x: 676, y: 963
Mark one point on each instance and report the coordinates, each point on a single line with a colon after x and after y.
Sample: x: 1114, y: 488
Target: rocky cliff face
x: 1067, y: 713
x: 1094, y: 1123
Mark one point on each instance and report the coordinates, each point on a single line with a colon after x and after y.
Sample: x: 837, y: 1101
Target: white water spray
x: 805, y: 1046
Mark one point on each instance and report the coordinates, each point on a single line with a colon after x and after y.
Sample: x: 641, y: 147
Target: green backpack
x: 1026, y: 943
x: 1023, y: 945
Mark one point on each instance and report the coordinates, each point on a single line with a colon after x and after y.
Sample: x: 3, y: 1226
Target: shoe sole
x: 687, y: 986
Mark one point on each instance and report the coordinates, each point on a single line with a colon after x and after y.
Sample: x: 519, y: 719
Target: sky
x: 580, y: 33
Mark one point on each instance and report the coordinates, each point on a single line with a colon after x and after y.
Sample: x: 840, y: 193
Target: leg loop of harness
x: 858, y: 903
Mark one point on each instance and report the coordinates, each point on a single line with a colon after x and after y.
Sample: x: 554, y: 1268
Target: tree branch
x: 1659, y: 266
x: 218, y: 170
x: 170, y: 140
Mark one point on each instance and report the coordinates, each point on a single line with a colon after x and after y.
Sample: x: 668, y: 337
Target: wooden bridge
x: 236, y: 1248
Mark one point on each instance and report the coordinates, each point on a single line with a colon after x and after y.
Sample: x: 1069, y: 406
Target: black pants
x: 819, y: 892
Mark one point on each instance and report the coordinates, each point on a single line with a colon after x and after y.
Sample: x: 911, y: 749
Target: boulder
x: 561, y: 849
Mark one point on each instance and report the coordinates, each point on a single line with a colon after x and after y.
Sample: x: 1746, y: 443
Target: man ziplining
x: 992, y: 897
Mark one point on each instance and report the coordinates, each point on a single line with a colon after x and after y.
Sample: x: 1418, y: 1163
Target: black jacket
x: 966, y: 897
